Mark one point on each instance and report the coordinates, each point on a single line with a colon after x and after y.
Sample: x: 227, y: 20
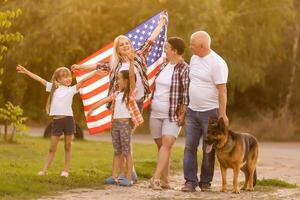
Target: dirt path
x: 276, y: 161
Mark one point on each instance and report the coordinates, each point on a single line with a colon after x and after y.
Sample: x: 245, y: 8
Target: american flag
x: 96, y: 88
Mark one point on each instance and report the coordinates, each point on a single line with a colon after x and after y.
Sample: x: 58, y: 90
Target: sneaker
x: 188, y: 188
x: 165, y: 185
x: 125, y: 182
x: 155, y: 184
x: 110, y: 180
x: 64, y: 174
x: 134, y: 177
x: 42, y: 173
x: 205, y: 187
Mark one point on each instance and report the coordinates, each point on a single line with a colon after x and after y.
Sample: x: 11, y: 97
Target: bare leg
x: 68, y: 143
x: 116, y: 166
x: 164, y: 155
x: 52, y: 150
x: 129, y: 161
x: 165, y: 172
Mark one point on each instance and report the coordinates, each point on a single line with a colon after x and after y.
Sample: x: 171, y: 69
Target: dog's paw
x: 250, y: 189
x: 223, y: 190
x: 236, y: 191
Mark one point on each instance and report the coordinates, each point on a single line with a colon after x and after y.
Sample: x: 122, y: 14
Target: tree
x: 6, y: 37
x: 12, y: 116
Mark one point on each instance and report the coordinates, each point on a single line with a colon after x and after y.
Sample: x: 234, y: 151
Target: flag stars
x: 138, y: 30
x: 141, y: 38
x: 151, y: 27
x: 143, y: 32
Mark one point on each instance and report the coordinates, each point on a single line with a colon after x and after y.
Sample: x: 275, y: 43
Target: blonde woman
x: 122, y: 48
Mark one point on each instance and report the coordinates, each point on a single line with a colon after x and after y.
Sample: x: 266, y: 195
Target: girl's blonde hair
x: 116, y: 57
x: 59, y: 72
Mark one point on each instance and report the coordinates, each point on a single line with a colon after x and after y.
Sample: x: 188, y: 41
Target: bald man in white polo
x: 208, y: 98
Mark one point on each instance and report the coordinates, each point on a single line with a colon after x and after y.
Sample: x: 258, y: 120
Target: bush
x: 12, y: 117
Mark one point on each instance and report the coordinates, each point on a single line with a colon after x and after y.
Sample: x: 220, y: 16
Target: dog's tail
x: 254, y: 178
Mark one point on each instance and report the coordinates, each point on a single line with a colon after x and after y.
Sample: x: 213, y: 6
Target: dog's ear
x: 221, y: 124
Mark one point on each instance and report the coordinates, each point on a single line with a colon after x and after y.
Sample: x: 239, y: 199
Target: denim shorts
x: 65, y: 125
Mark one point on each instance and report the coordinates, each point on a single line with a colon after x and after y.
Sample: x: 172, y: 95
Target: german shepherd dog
x: 234, y: 150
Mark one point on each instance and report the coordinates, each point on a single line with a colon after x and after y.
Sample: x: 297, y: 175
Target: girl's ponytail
x: 55, y: 84
x: 53, y: 88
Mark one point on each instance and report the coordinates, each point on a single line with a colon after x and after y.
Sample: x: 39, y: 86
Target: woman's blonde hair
x: 116, y: 57
x: 59, y: 72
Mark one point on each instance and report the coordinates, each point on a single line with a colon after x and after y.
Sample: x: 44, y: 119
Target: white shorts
x: 160, y: 127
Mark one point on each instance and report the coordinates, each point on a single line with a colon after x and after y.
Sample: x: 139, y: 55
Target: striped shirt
x: 179, y: 88
x: 140, y: 62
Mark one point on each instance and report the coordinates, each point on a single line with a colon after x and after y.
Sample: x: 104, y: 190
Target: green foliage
x: 6, y: 37
x: 254, y: 37
x: 12, y: 116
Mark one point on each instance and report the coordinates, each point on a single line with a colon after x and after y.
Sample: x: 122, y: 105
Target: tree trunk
x: 285, y: 109
x: 12, y: 135
x: 5, y: 130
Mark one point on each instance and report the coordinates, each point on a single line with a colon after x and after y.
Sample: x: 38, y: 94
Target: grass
x: 91, y: 164
x: 275, y: 183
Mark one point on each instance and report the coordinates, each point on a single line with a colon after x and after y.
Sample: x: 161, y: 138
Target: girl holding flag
x: 121, y: 49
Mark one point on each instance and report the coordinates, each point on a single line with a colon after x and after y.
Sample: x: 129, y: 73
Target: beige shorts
x: 160, y: 127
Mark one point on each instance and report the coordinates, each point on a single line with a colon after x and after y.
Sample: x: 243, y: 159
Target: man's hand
x: 225, y: 118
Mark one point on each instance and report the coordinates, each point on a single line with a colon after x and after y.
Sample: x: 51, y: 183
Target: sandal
x: 110, y: 181
x: 125, y: 182
x: 165, y: 185
x: 155, y: 184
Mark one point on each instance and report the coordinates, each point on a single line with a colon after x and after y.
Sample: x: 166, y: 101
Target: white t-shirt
x: 62, y: 99
x: 121, y: 110
x: 161, y: 98
x: 139, y: 83
x: 205, y: 73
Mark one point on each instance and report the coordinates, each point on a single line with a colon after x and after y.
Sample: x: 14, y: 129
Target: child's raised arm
x: 99, y: 71
x: 23, y: 70
x: 98, y: 104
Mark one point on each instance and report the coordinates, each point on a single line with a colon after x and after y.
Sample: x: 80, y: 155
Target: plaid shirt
x: 140, y: 62
x: 179, y: 88
x: 133, y: 109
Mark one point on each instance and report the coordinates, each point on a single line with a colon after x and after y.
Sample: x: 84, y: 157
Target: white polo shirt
x: 205, y: 73
x: 62, y: 99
